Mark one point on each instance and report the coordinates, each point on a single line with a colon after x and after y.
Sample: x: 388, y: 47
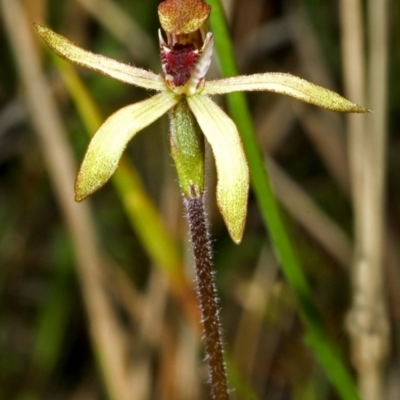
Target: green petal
x: 232, y: 170
x: 286, y: 84
x: 106, y: 66
x: 106, y: 147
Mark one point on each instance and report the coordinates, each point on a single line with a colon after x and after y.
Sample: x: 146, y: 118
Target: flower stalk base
x: 207, y: 295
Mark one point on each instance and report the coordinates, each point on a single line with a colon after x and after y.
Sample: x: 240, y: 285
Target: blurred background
x: 97, y: 298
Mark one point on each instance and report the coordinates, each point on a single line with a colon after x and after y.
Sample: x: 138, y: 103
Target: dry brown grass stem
x: 367, y: 323
x: 324, y: 128
x: 115, y: 20
x: 188, y: 368
x: 254, y: 297
x: 315, y: 221
x: 325, y: 132
x: 273, y: 128
x: 107, y: 337
x: 147, y: 311
x: 150, y: 325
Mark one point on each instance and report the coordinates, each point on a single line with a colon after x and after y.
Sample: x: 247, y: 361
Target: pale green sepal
x: 107, y: 145
x: 232, y: 169
x: 96, y: 62
x: 286, y: 84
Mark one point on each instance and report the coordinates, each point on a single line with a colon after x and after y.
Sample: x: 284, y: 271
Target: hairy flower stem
x: 207, y: 294
x: 187, y: 149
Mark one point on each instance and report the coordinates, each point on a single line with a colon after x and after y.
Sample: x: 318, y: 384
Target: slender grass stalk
x: 368, y: 323
x: 114, y: 18
x: 207, y: 294
x: 316, y: 335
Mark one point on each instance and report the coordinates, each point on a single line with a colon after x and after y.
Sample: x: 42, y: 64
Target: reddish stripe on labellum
x: 179, y: 63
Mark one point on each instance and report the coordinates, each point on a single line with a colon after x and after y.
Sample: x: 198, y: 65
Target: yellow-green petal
x: 96, y: 62
x: 107, y: 145
x: 232, y: 169
x: 286, y: 84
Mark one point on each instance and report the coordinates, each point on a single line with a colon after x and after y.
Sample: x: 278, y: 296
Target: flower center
x: 186, y: 54
x: 184, y: 66
x: 179, y: 62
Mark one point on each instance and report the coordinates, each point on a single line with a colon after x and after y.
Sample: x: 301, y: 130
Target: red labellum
x: 179, y: 63
x: 186, y: 52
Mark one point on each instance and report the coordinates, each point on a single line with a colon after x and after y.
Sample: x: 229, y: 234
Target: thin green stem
x: 207, y: 295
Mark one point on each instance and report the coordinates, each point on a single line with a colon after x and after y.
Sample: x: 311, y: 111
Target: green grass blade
x: 316, y: 336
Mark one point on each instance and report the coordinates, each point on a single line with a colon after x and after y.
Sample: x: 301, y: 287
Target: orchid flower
x: 186, y: 54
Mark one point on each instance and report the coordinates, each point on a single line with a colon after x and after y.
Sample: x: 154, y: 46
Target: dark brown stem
x: 207, y: 295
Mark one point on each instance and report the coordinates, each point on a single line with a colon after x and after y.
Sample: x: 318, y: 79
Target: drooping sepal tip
x: 230, y: 160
